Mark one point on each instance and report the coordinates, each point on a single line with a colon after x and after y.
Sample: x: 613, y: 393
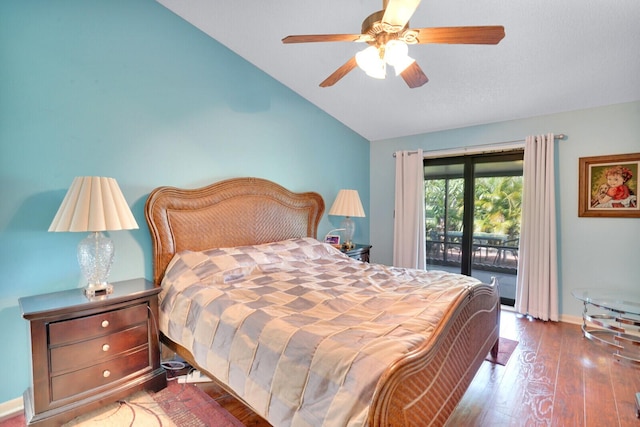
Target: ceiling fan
x: 387, y: 32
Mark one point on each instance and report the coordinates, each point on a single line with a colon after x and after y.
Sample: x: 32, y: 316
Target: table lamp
x: 94, y: 204
x: 347, y: 204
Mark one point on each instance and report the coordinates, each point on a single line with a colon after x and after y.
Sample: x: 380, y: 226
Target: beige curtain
x: 537, y: 282
x: 409, y: 228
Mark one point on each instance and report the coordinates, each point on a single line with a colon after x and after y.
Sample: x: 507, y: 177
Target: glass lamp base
x: 349, y: 230
x: 347, y: 246
x: 98, y: 290
x: 95, y: 255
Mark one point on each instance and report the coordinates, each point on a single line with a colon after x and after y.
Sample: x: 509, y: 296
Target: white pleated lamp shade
x: 347, y: 203
x: 93, y: 203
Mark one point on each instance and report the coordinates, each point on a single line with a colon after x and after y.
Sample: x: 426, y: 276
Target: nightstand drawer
x: 87, y: 353
x: 77, y: 382
x: 82, y: 328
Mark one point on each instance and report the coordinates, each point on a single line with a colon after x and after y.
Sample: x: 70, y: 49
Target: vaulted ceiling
x: 556, y: 56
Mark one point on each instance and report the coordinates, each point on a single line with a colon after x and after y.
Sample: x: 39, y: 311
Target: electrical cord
x: 173, y: 365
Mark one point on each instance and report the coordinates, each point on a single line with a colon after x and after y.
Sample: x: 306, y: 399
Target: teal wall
x: 593, y: 252
x: 129, y: 90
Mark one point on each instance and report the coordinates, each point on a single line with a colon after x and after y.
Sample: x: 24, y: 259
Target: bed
x: 252, y: 299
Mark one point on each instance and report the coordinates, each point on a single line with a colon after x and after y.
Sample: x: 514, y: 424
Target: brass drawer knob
x: 106, y: 373
x: 105, y: 347
x: 105, y: 323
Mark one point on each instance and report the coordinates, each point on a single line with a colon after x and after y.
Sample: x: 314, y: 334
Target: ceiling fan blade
x: 310, y: 38
x: 461, y: 35
x: 398, y: 12
x: 340, y: 73
x: 414, y: 76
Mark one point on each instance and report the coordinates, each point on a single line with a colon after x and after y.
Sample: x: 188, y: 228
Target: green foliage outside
x: 497, y: 205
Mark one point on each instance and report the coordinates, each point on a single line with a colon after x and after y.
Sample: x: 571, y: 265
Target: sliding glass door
x: 473, y: 216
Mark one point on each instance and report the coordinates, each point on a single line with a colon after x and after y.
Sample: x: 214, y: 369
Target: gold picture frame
x: 608, y: 186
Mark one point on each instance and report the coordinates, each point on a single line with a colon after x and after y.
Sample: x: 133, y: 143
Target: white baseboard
x: 10, y: 408
x: 567, y: 318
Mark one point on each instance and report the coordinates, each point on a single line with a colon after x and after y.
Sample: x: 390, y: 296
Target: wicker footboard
x: 424, y: 388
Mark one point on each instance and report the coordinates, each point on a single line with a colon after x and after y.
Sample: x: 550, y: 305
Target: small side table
x: 359, y: 252
x: 89, y: 352
x: 616, y: 324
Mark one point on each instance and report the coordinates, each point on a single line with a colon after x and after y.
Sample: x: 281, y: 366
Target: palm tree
x: 444, y: 197
x: 498, y: 205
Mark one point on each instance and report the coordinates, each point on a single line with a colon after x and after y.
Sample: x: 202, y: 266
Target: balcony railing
x: 490, y: 252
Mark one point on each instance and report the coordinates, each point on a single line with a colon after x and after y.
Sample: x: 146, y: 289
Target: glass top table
x: 618, y: 301
x: 612, y: 318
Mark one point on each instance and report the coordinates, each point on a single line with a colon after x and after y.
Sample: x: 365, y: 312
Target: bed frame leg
x: 495, y: 349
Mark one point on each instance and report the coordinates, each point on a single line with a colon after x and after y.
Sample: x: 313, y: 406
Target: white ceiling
x: 557, y: 55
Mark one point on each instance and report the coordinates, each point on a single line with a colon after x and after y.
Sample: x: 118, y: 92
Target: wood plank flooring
x: 555, y: 377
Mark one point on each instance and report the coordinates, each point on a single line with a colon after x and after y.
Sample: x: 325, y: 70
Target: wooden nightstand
x: 359, y: 252
x: 86, y: 353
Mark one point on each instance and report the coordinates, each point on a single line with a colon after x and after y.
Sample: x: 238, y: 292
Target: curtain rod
x: 493, y: 144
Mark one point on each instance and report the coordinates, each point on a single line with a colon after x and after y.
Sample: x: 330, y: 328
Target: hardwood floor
x: 245, y: 415
x: 555, y: 377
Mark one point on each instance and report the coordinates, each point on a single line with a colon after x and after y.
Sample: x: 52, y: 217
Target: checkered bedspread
x: 297, y: 329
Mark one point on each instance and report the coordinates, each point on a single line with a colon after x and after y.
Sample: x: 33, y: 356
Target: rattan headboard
x: 234, y: 212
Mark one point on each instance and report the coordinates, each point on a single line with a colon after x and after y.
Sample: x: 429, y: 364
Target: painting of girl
x: 608, y: 186
x: 616, y: 193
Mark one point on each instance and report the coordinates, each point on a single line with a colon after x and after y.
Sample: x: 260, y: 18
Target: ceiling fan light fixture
x: 370, y: 62
x: 402, y: 64
x: 396, y: 54
x: 394, y: 51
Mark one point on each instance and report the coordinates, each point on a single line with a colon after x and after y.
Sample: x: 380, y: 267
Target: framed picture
x: 332, y: 239
x: 608, y: 186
